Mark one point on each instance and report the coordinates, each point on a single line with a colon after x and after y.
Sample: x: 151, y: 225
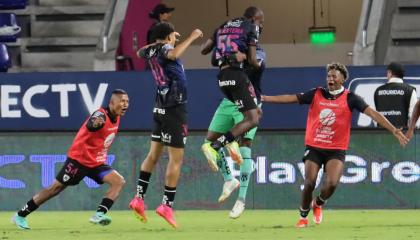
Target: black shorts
x: 170, y: 126
x: 322, y: 156
x: 73, y: 172
x: 236, y: 86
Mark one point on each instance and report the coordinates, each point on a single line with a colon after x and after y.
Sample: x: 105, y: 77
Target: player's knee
x: 121, y: 181
x: 309, y: 185
x: 332, y: 183
x: 118, y: 182
x: 176, y: 161
x: 253, y: 120
x: 153, y: 157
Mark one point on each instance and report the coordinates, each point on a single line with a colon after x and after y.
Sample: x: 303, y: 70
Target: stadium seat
x: 13, y: 4
x: 5, y: 62
x: 9, y: 30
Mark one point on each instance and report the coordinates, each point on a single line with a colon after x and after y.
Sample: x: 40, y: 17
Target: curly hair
x: 339, y: 67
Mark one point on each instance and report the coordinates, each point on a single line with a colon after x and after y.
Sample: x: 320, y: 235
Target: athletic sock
x: 28, y: 208
x: 142, y: 183
x: 224, y: 167
x: 222, y: 141
x: 319, y: 201
x: 169, y: 196
x: 105, y: 205
x: 246, y: 169
x: 303, y: 212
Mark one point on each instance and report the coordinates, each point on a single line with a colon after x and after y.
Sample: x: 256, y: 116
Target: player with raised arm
x: 225, y: 117
x: 328, y: 135
x: 86, y: 158
x: 169, y: 116
x: 233, y: 42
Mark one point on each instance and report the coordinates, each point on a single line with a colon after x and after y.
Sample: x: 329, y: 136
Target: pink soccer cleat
x: 138, y: 206
x: 167, y: 214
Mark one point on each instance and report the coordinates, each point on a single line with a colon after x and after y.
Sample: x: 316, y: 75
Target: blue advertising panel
x: 62, y: 101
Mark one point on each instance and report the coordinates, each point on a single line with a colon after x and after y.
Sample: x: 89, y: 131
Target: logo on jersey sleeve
x: 66, y: 178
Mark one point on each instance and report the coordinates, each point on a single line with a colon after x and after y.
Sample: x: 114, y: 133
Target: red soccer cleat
x: 302, y: 223
x: 167, y: 214
x: 317, y: 211
x: 138, y: 206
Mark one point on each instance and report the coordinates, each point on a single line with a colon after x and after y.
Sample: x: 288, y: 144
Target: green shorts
x: 226, y: 116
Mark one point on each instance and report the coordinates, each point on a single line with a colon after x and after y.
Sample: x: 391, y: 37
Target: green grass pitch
x: 215, y: 225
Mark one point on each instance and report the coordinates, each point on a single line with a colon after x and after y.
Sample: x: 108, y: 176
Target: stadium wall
x: 378, y: 173
x: 62, y: 101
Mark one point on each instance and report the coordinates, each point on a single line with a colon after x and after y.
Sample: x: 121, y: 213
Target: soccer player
x: 86, y: 157
x: 328, y: 135
x: 169, y: 115
x: 225, y: 117
x: 234, y: 41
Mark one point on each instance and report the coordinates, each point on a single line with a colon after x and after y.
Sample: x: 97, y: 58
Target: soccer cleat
x: 237, y: 209
x: 138, y: 206
x: 234, y: 152
x: 167, y: 214
x: 100, y: 218
x: 20, y: 222
x: 302, y: 223
x: 212, y: 156
x: 317, y: 211
x: 228, y: 188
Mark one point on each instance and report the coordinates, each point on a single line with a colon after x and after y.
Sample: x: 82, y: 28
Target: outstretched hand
x: 196, y: 33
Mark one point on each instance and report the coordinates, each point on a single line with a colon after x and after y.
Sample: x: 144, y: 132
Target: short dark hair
x: 339, y: 67
x: 119, y: 91
x: 396, y: 69
x: 161, y: 31
x: 251, y: 12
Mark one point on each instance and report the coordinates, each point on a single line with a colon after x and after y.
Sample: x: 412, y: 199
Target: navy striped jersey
x: 233, y: 36
x: 169, y: 75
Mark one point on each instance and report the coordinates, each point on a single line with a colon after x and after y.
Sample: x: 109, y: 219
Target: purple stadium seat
x: 9, y: 30
x: 5, y: 62
x: 13, y: 4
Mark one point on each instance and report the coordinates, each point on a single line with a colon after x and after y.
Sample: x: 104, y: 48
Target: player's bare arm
x: 207, y: 46
x: 382, y: 121
x: 413, y: 120
x: 252, y: 57
x: 180, y: 49
x: 280, y: 99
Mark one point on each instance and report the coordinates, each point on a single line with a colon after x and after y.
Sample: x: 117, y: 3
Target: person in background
x: 395, y: 99
x: 160, y: 13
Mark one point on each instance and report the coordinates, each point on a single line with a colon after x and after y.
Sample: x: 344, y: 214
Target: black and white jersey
x: 392, y: 100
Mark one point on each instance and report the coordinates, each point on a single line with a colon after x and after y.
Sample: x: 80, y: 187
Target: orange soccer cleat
x: 302, y: 223
x: 317, y: 211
